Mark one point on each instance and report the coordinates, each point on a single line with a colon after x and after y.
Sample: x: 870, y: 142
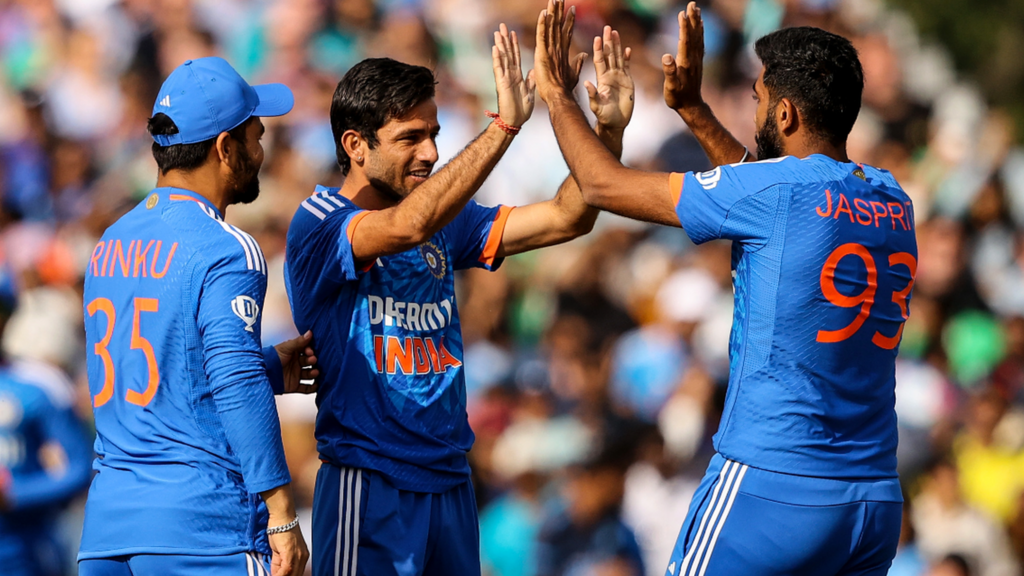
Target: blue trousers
x: 745, y: 520
x: 364, y: 526
x: 241, y: 564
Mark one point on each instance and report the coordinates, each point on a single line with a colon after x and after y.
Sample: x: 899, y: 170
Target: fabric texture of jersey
x: 36, y: 413
x: 817, y: 526
x: 185, y: 416
x: 393, y: 392
x: 241, y: 564
x: 364, y: 526
x: 823, y: 258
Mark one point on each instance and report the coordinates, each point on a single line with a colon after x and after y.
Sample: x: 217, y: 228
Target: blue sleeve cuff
x: 275, y: 371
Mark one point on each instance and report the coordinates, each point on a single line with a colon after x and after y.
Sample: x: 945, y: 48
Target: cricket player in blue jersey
x: 370, y: 269
x: 824, y: 256
x: 44, y: 458
x: 190, y: 475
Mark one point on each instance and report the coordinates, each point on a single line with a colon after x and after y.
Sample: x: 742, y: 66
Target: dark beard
x: 245, y: 183
x: 769, y: 142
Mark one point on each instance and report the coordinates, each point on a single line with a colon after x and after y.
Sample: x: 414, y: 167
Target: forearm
x: 591, y: 162
x: 577, y: 216
x: 280, y: 505
x: 720, y: 146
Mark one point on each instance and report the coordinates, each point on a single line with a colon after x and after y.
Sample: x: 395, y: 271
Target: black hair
x: 372, y: 93
x: 819, y: 72
x: 186, y: 157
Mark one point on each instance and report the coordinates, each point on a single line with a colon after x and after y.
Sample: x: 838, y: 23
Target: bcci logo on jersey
x: 434, y: 258
x: 247, y: 309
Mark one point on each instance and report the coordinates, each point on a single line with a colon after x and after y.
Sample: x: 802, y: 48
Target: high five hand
x: 515, y: 95
x: 554, y: 73
x: 612, y: 99
x: 683, y: 73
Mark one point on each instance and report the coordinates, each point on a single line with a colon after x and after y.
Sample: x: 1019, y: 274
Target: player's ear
x: 355, y: 146
x: 786, y: 116
x: 223, y: 147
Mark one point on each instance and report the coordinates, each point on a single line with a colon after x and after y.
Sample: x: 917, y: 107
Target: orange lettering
x: 378, y: 352
x: 419, y: 352
x: 96, y: 252
x: 435, y: 362
x: 106, y: 256
x: 156, y: 255
x: 446, y: 357
x: 827, y: 213
x: 141, y: 258
x: 862, y: 208
x: 877, y: 214
x: 120, y: 259
x: 843, y: 206
x: 897, y: 217
x: 399, y: 357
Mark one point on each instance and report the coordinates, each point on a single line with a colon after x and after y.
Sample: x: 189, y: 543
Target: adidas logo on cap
x: 166, y: 101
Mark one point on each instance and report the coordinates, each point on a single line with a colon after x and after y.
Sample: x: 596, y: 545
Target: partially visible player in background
x: 824, y: 258
x: 45, y: 458
x: 191, y: 475
x: 370, y: 269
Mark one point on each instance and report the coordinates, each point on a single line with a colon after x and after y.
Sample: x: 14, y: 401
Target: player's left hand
x: 299, y: 362
x: 612, y: 99
x: 553, y: 71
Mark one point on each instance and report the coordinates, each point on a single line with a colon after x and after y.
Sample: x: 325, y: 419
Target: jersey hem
x: 156, y: 550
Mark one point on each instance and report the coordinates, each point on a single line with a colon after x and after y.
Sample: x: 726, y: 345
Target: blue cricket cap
x: 205, y: 97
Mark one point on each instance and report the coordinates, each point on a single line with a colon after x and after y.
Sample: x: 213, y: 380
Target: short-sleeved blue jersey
x: 187, y: 429
x: 824, y: 257
x: 393, y: 392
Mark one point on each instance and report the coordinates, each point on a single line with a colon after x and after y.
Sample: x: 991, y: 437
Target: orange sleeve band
x: 351, y: 229
x: 490, y: 251
x: 675, y: 186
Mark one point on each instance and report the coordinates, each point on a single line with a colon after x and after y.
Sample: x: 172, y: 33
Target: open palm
x: 515, y: 94
x: 612, y: 99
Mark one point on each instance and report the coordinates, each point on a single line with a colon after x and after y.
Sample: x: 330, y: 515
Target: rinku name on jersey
x: 111, y: 258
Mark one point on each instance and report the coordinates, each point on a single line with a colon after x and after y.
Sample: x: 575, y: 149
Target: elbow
x: 597, y: 192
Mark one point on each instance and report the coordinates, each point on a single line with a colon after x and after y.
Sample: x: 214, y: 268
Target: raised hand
x: 515, y: 94
x: 551, y: 66
x: 612, y: 99
x: 683, y: 73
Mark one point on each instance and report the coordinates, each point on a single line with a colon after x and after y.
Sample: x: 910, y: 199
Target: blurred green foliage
x: 986, y: 38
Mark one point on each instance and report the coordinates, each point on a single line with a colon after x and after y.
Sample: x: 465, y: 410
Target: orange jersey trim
x: 490, y: 252
x: 351, y: 230
x: 675, y: 186
x: 183, y: 197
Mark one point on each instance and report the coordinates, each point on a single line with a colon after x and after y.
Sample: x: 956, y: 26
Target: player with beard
x: 370, y: 268
x: 824, y: 257
x: 191, y: 475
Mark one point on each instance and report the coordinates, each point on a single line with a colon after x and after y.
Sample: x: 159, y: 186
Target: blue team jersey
x: 187, y: 429
x: 824, y: 257
x: 36, y: 416
x: 393, y: 392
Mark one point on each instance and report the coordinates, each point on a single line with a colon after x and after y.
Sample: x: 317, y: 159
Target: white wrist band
x: 283, y: 527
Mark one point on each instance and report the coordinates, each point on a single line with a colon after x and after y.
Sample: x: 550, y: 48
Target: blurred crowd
x: 596, y: 370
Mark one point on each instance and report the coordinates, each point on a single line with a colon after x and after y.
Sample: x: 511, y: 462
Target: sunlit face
x: 245, y: 178
x: 766, y: 126
x: 406, y: 151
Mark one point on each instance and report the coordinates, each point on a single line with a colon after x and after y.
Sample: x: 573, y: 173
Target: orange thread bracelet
x: 510, y: 130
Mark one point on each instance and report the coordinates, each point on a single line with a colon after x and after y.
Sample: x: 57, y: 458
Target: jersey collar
x: 178, y: 194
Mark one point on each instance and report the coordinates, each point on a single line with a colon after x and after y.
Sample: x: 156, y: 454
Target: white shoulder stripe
x: 321, y: 203
x: 308, y: 206
x: 253, y: 255
x: 333, y: 200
